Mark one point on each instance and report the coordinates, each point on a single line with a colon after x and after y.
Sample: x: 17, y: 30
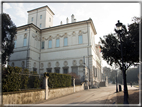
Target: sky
x: 104, y: 15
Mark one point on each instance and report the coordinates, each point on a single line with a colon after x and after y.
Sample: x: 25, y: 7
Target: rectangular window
x: 32, y: 19
x: 49, y: 19
x: 50, y: 44
x: 57, y: 70
x: 65, y: 41
x: 75, y: 70
x: 34, y: 69
x: 40, y: 16
x: 65, y: 70
x: 80, y: 39
x: 57, y: 43
x: 42, y: 45
x: 40, y: 25
x: 25, y: 42
x: 49, y: 70
x: 15, y: 44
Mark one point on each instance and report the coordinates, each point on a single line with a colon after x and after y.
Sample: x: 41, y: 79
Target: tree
x: 111, y: 49
x: 8, y: 33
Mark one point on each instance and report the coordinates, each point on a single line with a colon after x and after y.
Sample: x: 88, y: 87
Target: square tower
x: 42, y: 17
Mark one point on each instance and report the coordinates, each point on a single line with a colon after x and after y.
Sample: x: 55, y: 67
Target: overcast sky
x: 104, y: 15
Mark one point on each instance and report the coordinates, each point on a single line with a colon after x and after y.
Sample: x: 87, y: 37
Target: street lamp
x: 119, y: 31
x: 116, y: 83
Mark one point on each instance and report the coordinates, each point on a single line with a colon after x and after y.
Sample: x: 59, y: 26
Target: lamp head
x: 118, y: 26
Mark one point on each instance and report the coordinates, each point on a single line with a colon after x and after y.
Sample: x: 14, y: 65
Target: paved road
x: 91, y: 96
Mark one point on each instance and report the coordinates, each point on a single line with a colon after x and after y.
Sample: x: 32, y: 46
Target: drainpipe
x: 88, y: 51
x: 40, y: 51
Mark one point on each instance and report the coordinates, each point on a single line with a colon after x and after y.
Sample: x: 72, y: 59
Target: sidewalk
x: 113, y: 98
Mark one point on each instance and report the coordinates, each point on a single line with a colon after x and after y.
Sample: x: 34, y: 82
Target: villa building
x: 42, y: 47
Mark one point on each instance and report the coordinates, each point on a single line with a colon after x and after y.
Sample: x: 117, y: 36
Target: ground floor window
x: 35, y: 69
x: 49, y: 70
x: 57, y: 70
x: 75, y: 70
x: 65, y: 70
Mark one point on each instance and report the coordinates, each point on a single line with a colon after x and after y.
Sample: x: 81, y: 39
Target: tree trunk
x: 125, y: 88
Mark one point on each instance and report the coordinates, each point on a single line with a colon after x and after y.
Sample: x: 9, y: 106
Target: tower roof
x: 40, y: 8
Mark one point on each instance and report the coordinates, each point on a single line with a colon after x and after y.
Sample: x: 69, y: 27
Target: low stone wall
x: 24, y: 97
x: 54, y: 93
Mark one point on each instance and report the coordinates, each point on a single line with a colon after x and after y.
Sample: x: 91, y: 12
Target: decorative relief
x: 81, y: 62
x: 65, y: 63
x: 81, y: 32
x: 49, y: 65
x: 73, y: 33
x: 15, y: 37
x: 74, y: 62
x: 34, y: 64
x: 57, y: 64
x: 23, y: 63
x: 36, y: 37
x: 12, y: 64
x: 25, y: 36
x: 41, y: 65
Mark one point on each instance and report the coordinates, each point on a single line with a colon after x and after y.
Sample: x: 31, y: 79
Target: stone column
x: 73, y: 84
x: 46, y: 88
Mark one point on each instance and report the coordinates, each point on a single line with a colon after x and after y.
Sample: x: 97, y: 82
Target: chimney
x: 72, y: 18
x: 61, y: 22
x: 67, y: 20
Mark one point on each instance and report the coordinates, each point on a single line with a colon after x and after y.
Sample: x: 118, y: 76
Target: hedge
x: 58, y: 80
x: 15, y: 79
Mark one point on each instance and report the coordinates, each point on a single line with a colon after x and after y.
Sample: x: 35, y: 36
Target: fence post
x: 73, y: 84
x: 46, y: 88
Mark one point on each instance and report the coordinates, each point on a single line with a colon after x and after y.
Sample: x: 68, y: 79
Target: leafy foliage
x: 58, y: 80
x: 14, y: 79
x: 111, y: 46
x: 8, y: 33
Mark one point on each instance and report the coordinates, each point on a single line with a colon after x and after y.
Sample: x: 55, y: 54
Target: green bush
x: 34, y: 81
x: 58, y: 80
x: 11, y: 79
x: 24, y: 79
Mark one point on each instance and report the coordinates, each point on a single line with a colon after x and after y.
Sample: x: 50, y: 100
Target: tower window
x: 49, y: 19
x: 32, y: 19
x: 40, y: 25
x: 40, y: 16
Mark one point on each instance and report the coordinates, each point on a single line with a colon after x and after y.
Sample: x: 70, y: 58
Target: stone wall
x: 54, y: 93
x: 35, y: 96
x: 24, y: 97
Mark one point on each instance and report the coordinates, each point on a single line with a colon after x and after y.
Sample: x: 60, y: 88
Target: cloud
x: 6, y: 6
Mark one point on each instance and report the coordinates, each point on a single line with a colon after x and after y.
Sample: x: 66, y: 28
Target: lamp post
x: 119, y: 30
x: 116, y: 83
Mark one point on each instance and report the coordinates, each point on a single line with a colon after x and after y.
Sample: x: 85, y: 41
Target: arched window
x: 65, y: 41
x: 50, y: 44
x: 58, y: 42
x: 80, y: 40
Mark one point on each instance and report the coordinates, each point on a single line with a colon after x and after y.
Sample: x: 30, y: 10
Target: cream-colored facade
x: 43, y: 47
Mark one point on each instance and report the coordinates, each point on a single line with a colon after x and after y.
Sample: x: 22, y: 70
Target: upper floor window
x: 65, y: 41
x: 42, y: 45
x: 80, y: 40
x: 25, y: 40
x: 49, y: 19
x: 40, y: 16
x: 15, y: 44
x: 50, y: 44
x: 32, y: 19
x: 40, y: 25
x: 57, y: 42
